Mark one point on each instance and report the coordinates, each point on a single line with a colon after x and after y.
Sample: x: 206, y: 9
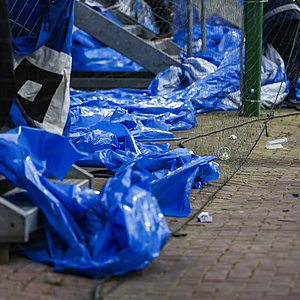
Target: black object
x: 282, y: 30
x: 49, y: 81
x: 163, y: 15
x: 7, y: 86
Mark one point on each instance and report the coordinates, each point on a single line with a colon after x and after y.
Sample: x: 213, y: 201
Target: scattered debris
x: 276, y: 144
x: 204, y: 217
x: 233, y: 137
x: 223, y: 153
x: 179, y: 234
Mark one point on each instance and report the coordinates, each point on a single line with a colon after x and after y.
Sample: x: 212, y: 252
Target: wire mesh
x: 231, y: 131
x: 26, y: 15
x: 164, y: 17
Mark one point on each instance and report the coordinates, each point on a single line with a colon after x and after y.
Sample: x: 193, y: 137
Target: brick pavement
x: 250, y: 250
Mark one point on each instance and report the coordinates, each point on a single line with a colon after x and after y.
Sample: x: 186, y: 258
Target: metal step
x: 132, y: 40
x: 92, y: 80
x: 18, y: 218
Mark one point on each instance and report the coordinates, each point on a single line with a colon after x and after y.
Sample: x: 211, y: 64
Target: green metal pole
x: 190, y: 28
x: 253, y: 54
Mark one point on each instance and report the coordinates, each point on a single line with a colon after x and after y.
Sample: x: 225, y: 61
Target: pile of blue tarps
x: 97, y: 234
x: 118, y: 229
x: 121, y: 227
x: 208, y: 81
x: 170, y: 172
x: 215, y: 90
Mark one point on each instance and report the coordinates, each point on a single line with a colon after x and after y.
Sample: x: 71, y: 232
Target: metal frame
x: 132, y: 40
x: 19, y: 219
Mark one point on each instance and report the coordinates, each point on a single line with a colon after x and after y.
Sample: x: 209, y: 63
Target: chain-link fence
x: 232, y: 135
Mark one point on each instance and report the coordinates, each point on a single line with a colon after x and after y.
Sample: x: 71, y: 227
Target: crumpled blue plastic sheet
x: 90, y: 55
x: 84, y: 231
x: 178, y: 170
x: 111, y: 144
x: 171, y: 173
x: 147, y: 117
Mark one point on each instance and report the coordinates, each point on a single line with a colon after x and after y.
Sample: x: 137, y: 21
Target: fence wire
x: 26, y: 15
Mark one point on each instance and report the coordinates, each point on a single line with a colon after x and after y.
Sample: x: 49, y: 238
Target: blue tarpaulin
x: 112, y: 145
x: 96, y: 234
x: 208, y: 81
x: 122, y: 227
x: 113, y: 231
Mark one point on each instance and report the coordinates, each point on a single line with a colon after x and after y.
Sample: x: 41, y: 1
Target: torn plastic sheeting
x: 92, y: 233
x: 113, y: 159
x: 214, y: 91
x: 177, y: 78
x: 204, y: 94
x: 273, y: 69
x: 178, y: 182
x: 196, y: 68
x: 206, y: 173
x: 167, y: 81
x: 273, y: 79
x: 108, y: 144
x: 151, y: 117
x: 122, y: 228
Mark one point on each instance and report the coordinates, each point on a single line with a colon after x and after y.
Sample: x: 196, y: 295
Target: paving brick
x: 37, y: 288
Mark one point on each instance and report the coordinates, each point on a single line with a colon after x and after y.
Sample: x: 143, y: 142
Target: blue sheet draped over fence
x: 39, y: 23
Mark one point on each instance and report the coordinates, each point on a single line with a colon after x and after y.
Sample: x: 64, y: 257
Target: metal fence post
x: 253, y: 54
x: 203, y: 23
x: 190, y: 28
